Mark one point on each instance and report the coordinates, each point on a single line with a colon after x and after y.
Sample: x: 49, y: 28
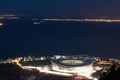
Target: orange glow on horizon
x: 107, y: 63
x: 16, y: 61
x: 111, y: 58
x: 119, y: 62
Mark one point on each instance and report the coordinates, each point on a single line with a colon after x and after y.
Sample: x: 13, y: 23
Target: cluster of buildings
x: 23, y: 59
x: 65, y: 59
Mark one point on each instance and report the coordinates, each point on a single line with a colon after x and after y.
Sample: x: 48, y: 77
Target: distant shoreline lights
x: 84, y: 20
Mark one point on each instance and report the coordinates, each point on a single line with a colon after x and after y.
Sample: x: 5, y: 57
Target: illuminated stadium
x: 78, y: 67
x: 82, y: 66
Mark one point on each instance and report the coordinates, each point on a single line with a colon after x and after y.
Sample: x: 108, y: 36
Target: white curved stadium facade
x: 79, y: 66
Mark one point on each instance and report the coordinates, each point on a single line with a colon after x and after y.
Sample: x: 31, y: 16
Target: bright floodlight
x: 1, y: 24
x: 95, y: 79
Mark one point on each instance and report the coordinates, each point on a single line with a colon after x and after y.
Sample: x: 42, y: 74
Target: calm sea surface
x: 22, y: 38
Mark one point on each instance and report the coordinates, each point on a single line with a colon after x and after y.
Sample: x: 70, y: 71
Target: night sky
x: 70, y: 8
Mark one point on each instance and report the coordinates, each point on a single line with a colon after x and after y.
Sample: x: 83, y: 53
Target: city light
x: 9, y: 16
x: 46, y: 70
x: 16, y: 61
x: 81, y: 69
x: 1, y: 24
x: 86, y: 20
x: 95, y: 79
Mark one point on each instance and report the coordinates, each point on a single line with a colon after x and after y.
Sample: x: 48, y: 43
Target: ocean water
x: 23, y: 38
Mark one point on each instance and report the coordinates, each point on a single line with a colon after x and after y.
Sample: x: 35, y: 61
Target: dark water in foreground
x: 22, y: 38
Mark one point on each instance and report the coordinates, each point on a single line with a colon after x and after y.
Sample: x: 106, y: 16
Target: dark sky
x: 63, y: 7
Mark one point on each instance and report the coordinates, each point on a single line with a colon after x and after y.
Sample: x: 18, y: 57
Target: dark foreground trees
x: 112, y: 74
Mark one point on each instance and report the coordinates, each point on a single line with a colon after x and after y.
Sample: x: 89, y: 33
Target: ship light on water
x: 1, y: 24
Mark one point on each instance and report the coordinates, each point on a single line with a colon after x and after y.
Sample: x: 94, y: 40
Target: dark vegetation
x: 37, y: 63
x: 14, y: 72
x: 112, y: 74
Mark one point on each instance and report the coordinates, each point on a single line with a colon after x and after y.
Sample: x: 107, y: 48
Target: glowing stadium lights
x: 95, y: 78
x: 85, y: 72
x: 56, y: 73
x: 97, y: 68
x: 81, y: 71
x: 72, y: 62
x: 45, y: 69
x: 76, y: 65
